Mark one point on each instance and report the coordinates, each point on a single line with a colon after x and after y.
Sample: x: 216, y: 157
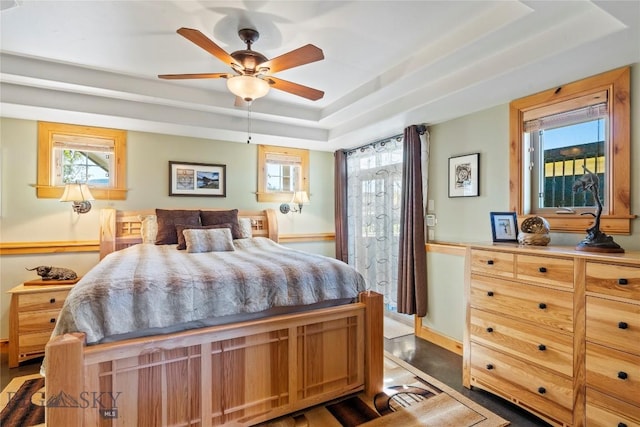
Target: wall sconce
x: 80, y: 195
x: 299, y: 198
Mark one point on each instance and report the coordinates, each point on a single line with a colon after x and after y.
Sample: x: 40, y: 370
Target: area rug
x: 22, y: 402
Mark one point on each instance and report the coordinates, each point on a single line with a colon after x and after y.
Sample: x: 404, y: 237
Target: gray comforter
x: 150, y: 287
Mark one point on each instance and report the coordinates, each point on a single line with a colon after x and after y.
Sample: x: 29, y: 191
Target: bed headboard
x: 121, y: 229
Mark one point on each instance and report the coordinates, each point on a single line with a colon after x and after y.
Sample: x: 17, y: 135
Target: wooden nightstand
x: 33, y: 314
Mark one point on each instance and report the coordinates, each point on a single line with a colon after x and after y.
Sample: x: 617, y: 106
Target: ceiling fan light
x: 248, y: 87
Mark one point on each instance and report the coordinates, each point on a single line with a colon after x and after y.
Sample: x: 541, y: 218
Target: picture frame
x: 197, y: 179
x: 464, y: 175
x: 504, y: 226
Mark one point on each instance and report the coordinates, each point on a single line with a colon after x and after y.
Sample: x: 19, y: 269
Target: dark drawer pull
x: 542, y: 306
x: 489, y: 330
x: 490, y: 262
x: 623, y: 375
x: 623, y: 325
x: 489, y: 366
x: 542, y: 390
x: 52, y: 320
x: 52, y: 300
x: 542, y: 347
x: 490, y: 293
x: 542, y: 269
x: 623, y: 282
x: 622, y: 425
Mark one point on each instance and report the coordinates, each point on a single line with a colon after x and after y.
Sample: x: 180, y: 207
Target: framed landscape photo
x: 197, y: 179
x: 464, y: 175
x: 504, y: 226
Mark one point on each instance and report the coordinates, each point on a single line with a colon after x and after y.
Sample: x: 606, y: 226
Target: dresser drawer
x: 42, y: 301
x: 550, y: 349
x: 37, y: 321
x: 614, y: 324
x: 604, y: 411
x: 614, y: 372
x: 616, y: 280
x: 33, y: 343
x: 546, y: 307
x: 545, y: 270
x: 493, y: 263
x: 543, y: 390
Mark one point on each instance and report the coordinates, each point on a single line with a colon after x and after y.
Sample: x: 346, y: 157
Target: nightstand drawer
x: 617, y: 280
x: 614, y: 372
x: 550, y: 349
x: 603, y: 411
x: 493, y: 263
x: 33, y: 343
x: 37, y: 321
x: 42, y: 300
x: 545, y: 270
x: 547, y: 307
x: 614, y: 324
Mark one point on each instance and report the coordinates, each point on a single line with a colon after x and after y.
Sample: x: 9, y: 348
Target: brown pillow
x: 167, y: 220
x: 182, y: 243
x: 223, y: 217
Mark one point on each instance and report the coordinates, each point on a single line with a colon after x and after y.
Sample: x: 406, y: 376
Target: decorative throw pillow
x: 208, y: 240
x: 167, y: 220
x: 182, y: 243
x: 245, y: 227
x: 222, y: 217
x: 148, y: 228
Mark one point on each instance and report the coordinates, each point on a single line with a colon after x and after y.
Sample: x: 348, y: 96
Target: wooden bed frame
x: 235, y: 374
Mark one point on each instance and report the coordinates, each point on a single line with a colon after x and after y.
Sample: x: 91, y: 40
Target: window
x: 281, y: 171
x: 70, y: 153
x: 555, y: 135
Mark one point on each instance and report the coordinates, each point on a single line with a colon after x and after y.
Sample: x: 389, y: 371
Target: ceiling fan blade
x: 194, y: 76
x: 207, y: 44
x: 295, y: 88
x: 303, y: 55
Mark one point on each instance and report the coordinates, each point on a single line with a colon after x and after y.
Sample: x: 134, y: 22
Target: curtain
x: 412, y: 256
x: 340, y: 190
x: 374, y: 192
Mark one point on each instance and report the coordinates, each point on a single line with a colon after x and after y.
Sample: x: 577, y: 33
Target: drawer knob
x: 489, y: 329
x: 52, y: 320
x: 542, y: 269
x: 542, y: 390
x: 622, y: 425
x: 489, y: 366
x: 542, y: 306
x: 542, y: 347
x: 623, y: 282
x: 623, y: 375
x: 623, y: 325
x: 490, y: 262
x: 52, y: 300
x: 490, y: 293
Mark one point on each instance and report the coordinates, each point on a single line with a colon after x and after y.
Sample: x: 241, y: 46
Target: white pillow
x: 245, y: 227
x: 208, y: 240
x: 148, y: 228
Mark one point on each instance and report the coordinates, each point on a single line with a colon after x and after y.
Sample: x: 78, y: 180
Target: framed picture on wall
x: 464, y: 175
x: 197, y: 179
x: 504, y: 226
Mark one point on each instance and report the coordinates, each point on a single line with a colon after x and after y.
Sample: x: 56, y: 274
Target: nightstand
x: 32, y: 317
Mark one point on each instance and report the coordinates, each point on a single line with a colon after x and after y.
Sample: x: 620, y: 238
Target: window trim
x: 46, y: 130
x: 617, y: 218
x: 280, y: 196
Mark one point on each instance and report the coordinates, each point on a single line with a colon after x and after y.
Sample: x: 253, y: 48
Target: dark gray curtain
x: 412, y: 262
x: 340, y: 184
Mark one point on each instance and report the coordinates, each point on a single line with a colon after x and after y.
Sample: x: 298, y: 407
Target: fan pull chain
x: 249, y: 123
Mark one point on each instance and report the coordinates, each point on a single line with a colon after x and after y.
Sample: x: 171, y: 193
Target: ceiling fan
x: 253, y: 71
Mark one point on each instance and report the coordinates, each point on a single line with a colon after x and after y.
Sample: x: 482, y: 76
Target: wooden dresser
x: 555, y: 331
x: 32, y: 316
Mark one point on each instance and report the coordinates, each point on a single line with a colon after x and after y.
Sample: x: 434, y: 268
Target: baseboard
x: 437, y: 338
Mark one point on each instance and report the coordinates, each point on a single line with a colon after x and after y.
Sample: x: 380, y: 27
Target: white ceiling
x: 388, y: 64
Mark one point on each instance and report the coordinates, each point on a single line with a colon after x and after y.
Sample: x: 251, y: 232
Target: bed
x: 249, y: 368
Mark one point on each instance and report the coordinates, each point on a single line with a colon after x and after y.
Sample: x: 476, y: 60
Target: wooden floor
x: 435, y: 361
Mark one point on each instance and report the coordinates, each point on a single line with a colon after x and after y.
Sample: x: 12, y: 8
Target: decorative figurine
x: 596, y: 240
x: 54, y: 273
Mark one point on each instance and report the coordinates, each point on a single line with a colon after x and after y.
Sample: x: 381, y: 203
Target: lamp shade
x: 248, y: 87
x: 300, y: 198
x: 76, y: 193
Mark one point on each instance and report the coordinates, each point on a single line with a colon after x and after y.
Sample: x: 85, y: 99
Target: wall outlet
x: 431, y: 235
x: 431, y: 205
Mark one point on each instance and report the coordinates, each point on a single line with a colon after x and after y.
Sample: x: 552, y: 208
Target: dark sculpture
x: 596, y: 240
x: 54, y: 273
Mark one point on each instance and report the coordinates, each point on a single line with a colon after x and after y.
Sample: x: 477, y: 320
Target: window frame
x: 280, y: 196
x: 46, y: 187
x: 617, y: 217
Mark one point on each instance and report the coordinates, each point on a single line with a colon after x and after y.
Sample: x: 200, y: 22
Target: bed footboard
x: 239, y: 374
